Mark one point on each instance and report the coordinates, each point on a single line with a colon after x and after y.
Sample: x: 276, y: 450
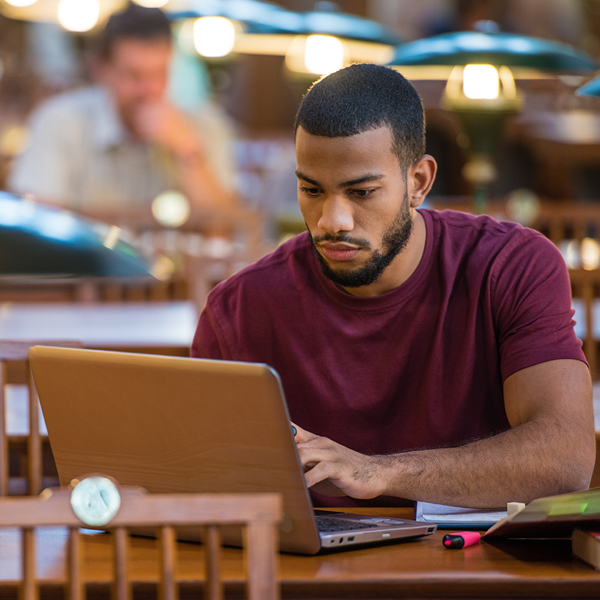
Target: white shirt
x: 81, y: 156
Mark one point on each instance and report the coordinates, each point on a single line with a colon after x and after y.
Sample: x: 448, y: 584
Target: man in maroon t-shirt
x: 424, y: 355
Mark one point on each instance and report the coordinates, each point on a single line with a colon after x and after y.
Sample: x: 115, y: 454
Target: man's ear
x: 420, y: 178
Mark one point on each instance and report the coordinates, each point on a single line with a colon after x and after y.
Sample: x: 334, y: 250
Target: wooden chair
x: 258, y: 514
x: 585, y: 287
x: 14, y: 368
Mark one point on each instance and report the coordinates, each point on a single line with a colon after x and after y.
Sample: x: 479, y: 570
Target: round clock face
x: 95, y: 500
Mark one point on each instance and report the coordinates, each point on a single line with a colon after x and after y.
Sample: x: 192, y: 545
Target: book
x: 586, y: 546
x: 552, y: 517
x: 452, y: 517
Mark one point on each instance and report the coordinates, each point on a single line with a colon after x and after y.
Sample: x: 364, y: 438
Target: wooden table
x: 158, y: 327
x: 412, y: 569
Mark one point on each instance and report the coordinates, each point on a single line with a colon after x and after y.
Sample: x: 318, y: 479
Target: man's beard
x: 393, y: 242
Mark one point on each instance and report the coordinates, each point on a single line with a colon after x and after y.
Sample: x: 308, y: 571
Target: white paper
x: 440, y: 513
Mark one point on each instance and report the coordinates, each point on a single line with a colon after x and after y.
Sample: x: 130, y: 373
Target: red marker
x: 462, y: 539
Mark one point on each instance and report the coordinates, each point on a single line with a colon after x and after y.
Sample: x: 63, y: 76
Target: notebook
x: 171, y: 424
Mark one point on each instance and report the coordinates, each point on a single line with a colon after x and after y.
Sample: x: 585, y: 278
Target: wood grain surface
x: 420, y: 568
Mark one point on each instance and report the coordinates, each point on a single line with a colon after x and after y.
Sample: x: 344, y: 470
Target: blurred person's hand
x: 164, y: 124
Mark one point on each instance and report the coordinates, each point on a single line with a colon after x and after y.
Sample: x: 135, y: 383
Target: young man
x: 117, y: 145
x: 424, y: 355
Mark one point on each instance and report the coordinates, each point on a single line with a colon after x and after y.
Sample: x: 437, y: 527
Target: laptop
x: 171, y: 424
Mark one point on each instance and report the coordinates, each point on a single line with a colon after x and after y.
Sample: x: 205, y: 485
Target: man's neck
x: 402, y: 267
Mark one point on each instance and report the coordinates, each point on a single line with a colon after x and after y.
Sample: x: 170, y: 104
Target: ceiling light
x: 78, y: 15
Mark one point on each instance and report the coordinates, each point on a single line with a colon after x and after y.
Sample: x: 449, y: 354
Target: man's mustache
x: 341, y: 238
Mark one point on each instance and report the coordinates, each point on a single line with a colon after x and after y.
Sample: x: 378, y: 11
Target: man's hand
x: 163, y: 124
x: 334, y: 470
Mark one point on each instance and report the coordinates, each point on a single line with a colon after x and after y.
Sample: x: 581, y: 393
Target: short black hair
x: 137, y: 22
x: 362, y: 97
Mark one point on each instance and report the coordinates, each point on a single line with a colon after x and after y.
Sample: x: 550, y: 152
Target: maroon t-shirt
x: 421, y: 366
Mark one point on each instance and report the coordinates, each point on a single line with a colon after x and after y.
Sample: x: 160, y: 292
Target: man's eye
x: 310, y: 191
x: 362, y: 193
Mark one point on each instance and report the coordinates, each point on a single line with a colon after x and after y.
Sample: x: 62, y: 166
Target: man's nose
x: 152, y: 89
x: 336, y: 215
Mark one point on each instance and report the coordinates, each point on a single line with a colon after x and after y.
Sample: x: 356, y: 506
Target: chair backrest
x: 586, y: 296
x: 258, y: 514
x: 14, y: 368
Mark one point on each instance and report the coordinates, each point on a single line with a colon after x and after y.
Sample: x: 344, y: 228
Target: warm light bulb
x: 152, y: 3
x: 214, y: 36
x: 323, y: 54
x: 20, y: 3
x: 590, y: 254
x: 78, y: 15
x: 171, y: 209
x: 481, y: 82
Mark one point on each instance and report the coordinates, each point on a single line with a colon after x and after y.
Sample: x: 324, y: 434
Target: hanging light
x: 152, y: 3
x: 481, y: 87
x: 481, y: 82
x: 20, y: 3
x: 78, y: 15
x: 323, y: 54
x: 214, y: 37
x: 316, y: 54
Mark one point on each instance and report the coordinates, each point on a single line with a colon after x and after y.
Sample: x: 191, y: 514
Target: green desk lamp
x: 481, y: 91
x: 591, y: 88
x: 44, y: 242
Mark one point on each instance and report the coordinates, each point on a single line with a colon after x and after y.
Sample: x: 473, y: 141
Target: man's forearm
x: 535, y: 459
x: 200, y: 184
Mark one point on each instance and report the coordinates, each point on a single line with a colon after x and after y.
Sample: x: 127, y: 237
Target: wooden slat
x: 580, y: 229
x: 261, y: 539
x: 29, y: 586
x: 167, y: 564
x: 589, y: 344
x: 121, y: 588
x: 3, y: 435
x: 213, y: 587
x: 556, y: 231
x: 74, y: 558
x: 34, y: 440
x: 143, y: 510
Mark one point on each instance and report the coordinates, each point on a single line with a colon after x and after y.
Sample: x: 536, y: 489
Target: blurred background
x: 530, y: 153
x: 537, y: 161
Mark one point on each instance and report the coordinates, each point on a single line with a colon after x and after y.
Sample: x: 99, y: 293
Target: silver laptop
x: 172, y: 424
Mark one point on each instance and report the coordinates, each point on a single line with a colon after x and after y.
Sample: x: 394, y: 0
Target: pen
x: 462, y: 539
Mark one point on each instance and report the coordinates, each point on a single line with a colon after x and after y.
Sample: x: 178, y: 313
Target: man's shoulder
x: 81, y: 101
x: 275, y: 271
x: 467, y: 230
x: 499, y: 250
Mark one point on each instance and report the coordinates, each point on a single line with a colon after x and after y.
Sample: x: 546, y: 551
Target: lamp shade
x: 265, y: 17
x: 257, y: 16
x: 591, y: 88
x: 38, y: 241
x: 347, y: 26
x: 496, y: 49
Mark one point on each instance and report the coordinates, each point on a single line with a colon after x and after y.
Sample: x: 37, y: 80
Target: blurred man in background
x: 115, y: 146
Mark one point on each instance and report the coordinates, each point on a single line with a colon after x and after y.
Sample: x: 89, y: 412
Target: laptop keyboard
x: 328, y: 524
